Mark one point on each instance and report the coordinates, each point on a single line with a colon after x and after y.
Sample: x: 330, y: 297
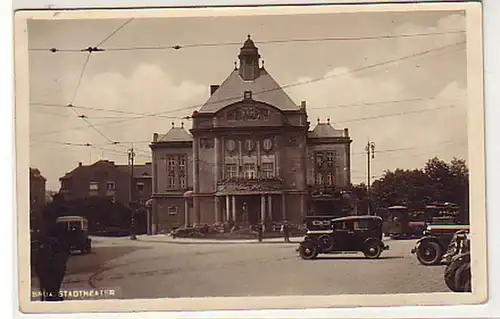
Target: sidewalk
x: 170, y: 239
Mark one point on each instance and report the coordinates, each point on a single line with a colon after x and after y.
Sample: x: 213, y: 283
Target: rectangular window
x: 329, y: 179
x: 140, y: 187
x: 267, y: 170
x: 182, y: 162
x: 173, y: 210
x: 330, y: 159
x: 93, y: 186
x: 171, y: 181
x: 182, y: 180
x: 319, y: 159
x: 249, y: 171
x: 110, y: 186
x: 171, y: 163
x: 319, y: 179
x: 231, y: 171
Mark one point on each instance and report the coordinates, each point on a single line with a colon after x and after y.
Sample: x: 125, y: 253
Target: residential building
x: 106, y: 179
x: 250, y: 156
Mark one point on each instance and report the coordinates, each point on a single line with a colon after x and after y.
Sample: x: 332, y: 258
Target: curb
x: 216, y: 242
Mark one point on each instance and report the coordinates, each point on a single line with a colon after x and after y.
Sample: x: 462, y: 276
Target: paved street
x: 146, y: 269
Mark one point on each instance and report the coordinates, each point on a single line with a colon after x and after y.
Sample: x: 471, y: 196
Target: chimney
x: 155, y: 137
x: 346, y: 132
x: 303, y: 105
x: 80, y: 164
x: 213, y: 88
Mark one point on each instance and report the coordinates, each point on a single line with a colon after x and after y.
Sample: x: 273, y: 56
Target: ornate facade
x: 251, y: 155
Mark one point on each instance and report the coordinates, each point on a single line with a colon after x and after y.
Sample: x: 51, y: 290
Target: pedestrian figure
x: 260, y: 230
x: 50, y: 261
x: 285, y: 229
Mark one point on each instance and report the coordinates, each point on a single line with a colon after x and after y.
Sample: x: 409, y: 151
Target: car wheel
x: 463, y: 278
x: 429, y: 253
x: 372, y: 249
x: 308, y: 251
x: 326, y: 242
x: 449, y: 275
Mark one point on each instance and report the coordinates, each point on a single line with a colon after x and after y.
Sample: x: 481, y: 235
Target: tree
x: 438, y: 181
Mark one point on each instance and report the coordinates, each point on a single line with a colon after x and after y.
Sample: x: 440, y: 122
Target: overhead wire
x: 300, y: 83
x: 276, y: 41
x: 87, y: 59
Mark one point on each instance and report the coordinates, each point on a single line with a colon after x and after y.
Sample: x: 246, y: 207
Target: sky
x: 413, y: 108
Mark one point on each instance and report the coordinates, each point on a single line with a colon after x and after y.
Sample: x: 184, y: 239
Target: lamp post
x: 370, y: 153
x: 149, y: 207
x: 131, y: 155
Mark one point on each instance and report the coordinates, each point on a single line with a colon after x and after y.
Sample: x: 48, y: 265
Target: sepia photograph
x: 250, y: 157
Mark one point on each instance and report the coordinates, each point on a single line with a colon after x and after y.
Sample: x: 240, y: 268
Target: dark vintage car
x: 77, y: 234
x: 432, y: 247
x: 344, y: 234
x: 457, y: 274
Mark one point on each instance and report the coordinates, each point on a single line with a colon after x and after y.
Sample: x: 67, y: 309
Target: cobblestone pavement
x: 142, y: 269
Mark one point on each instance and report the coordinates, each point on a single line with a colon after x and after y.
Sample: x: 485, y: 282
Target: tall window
x: 319, y: 159
x: 170, y: 163
x: 171, y: 181
x: 267, y: 170
x: 329, y: 179
x: 93, y: 188
x: 182, y: 172
x: 319, y: 179
x: 330, y: 159
x: 249, y: 171
x: 231, y: 171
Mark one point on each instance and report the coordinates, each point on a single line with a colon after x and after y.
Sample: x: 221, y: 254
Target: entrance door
x: 251, y: 206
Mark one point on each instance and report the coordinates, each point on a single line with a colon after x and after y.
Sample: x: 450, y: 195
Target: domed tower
x: 249, y: 61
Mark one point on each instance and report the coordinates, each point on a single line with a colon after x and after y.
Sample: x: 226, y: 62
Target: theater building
x: 249, y: 157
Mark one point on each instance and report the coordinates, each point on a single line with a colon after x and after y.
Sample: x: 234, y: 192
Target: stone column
x: 228, y: 209
x: 216, y: 209
x: 302, y: 206
x: 234, y: 208
x: 196, y: 181
x: 240, y: 159
x: 259, y: 160
x: 270, y: 207
x: 154, y: 217
x: 277, y: 157
x: 283, y: 207
x: 217, y: 161
x: 186, y: 213
x: 262, y: 208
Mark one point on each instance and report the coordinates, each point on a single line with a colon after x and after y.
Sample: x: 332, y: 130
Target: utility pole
x: 131, y: 156
x: 370, y: 154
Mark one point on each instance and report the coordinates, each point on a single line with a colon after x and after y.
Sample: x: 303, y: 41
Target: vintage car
x: 457, y: 274
x: 402, y: 222
x: 431, y: 248
x: 344, y: 234
x: 77, y: 235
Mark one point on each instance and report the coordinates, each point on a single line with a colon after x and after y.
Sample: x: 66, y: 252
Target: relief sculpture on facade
x: 242, y: 186
x: 248, y: 113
